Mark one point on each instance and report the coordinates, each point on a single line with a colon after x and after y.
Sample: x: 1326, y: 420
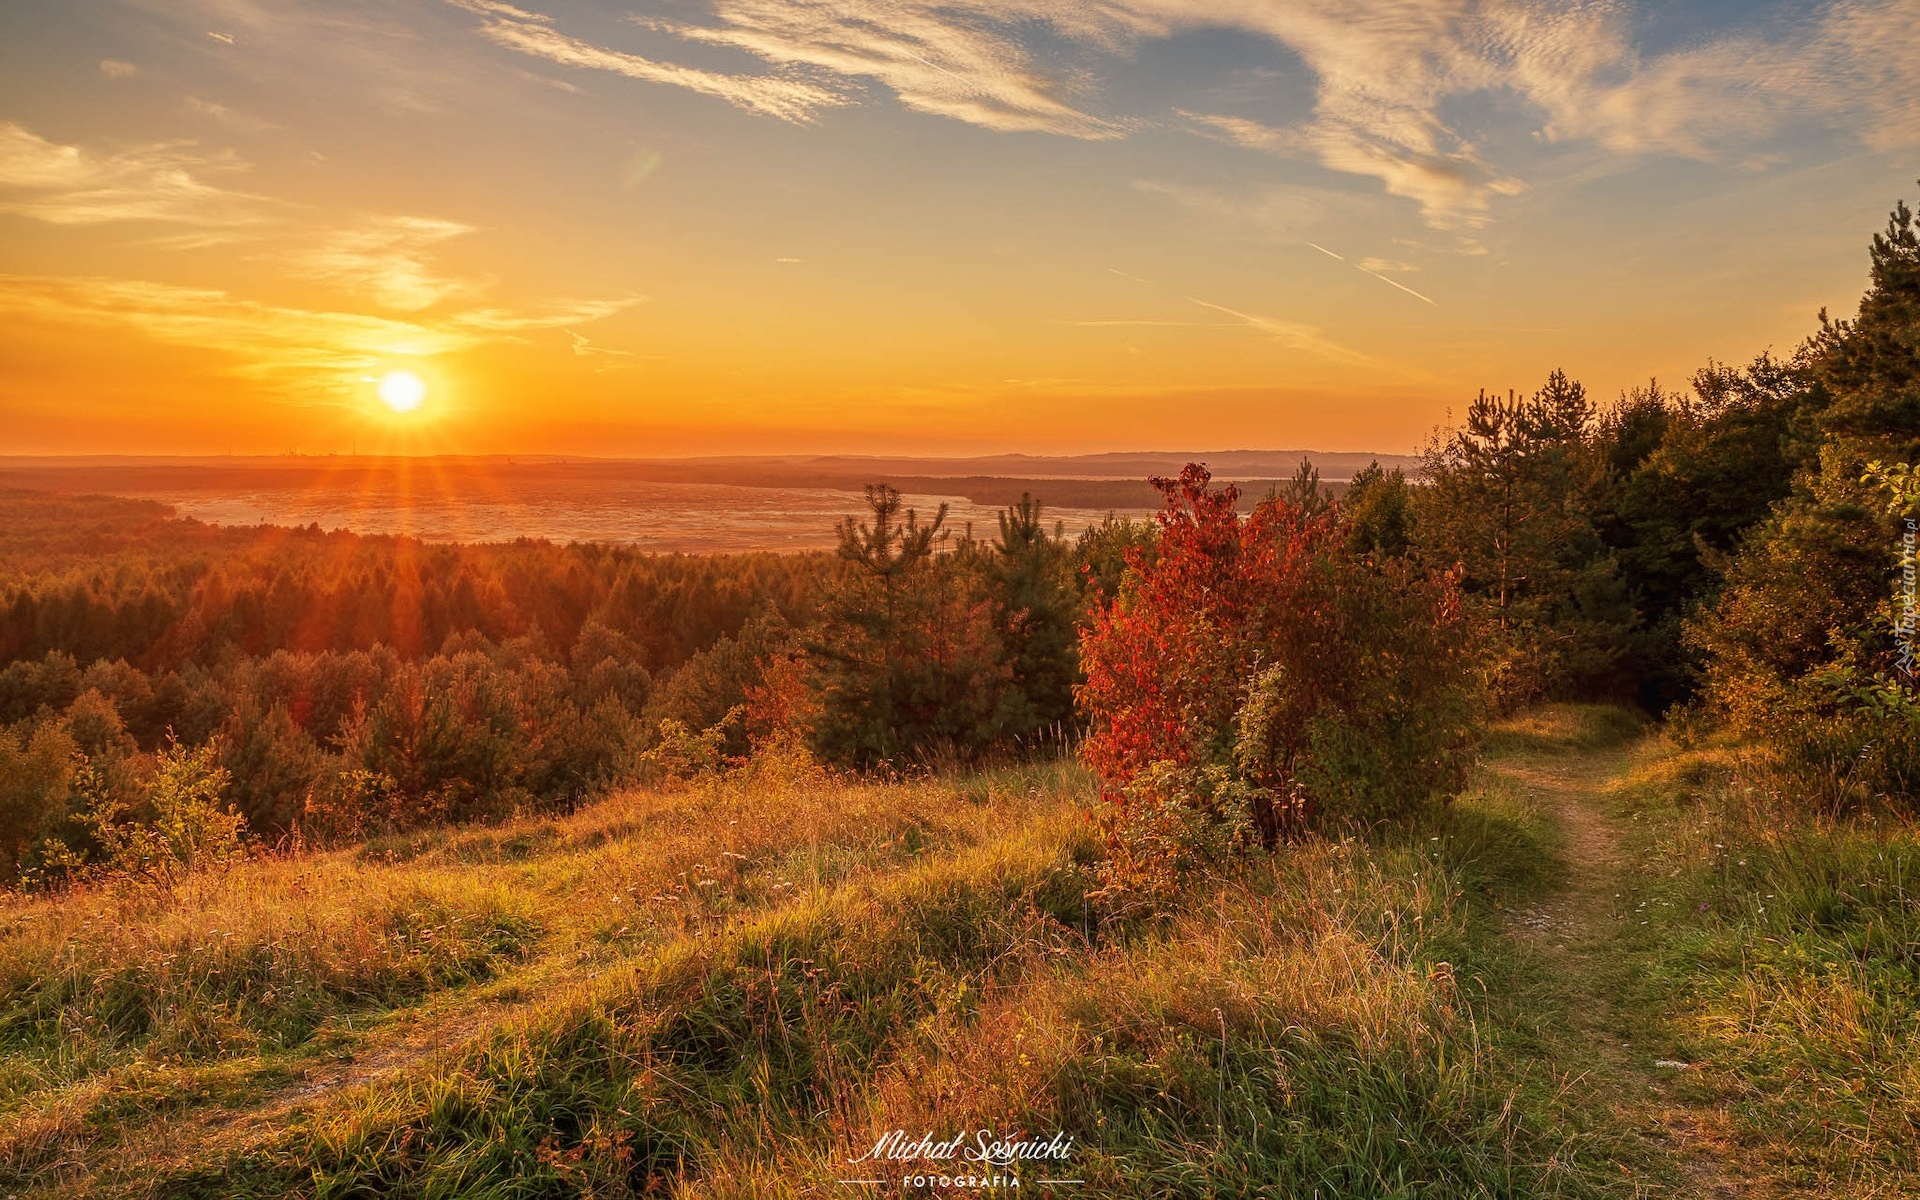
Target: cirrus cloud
x: 1384, y: 74
x: 318, y: 352
x: 387, y: 258
x: 387, y: 261
x: 302, y: 347
x: 68, y: 185
x: 533, y: 34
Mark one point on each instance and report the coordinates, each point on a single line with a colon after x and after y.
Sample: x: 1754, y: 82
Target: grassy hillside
x: 1787, y: 947
x: 734, y: 990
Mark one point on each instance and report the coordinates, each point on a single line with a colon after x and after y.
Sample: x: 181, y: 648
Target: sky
x: 667, y: 227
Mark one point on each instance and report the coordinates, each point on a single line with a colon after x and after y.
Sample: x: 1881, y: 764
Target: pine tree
x: 1801, y: 643
x: 1303, y: 491
x: 1037, y: 615
x: 1678, y: 480
x: 1505, y: 502
x: 1378, y: 508
x: 905, y: 657
x: 1498, y: 495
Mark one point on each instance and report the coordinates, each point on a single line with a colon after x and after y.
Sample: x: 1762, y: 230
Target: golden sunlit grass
x: 731, y: 990
x: 281, y: 960
x: 724, y: 992
x: 1791, y: 937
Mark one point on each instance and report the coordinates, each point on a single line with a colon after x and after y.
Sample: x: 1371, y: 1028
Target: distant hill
x: 1101, y: 481
x: 1335, y: 467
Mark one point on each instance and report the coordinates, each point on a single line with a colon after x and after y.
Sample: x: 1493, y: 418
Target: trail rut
x: 1578, y: 928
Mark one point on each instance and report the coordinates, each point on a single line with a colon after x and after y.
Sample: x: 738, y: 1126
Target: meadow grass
x: 735, y: 990
x: 1788, y: 944
x: 1337, y: 1016
x: 119, y: 996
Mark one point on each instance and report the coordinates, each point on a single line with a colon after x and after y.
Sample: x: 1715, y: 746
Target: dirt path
x: 1583, y: 929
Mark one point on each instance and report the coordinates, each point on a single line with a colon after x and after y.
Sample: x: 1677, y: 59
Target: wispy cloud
x: 493, y: 8
x: 1382, y: 72
x: 1293, y: 335
x: 199, y: 107
x: 621, y: 360
x: 388, y: 261
x: 1450, y: 182
x: 1390, y: 78
x: 583, y: 347
x: 309, y: 351
x: 303, y: 349
x: 1381, y: 75
x: 533, y: 34
x: 66, y: 185
x: 115, y: 68
x: 335, y: 55
x: 556, y: 314
x: 1851, y: 64
x: 966, y: 61
x: 1385, y: 74
x: 386, y: 258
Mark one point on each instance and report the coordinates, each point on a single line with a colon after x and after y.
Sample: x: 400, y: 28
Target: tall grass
x: 1310, y: 1027
x: 733, y: 990
x: 1319, y: 1021
x: 767, y: 1029
x: 303, y: 955
x: 1793, y: 939
x: 193, y: 973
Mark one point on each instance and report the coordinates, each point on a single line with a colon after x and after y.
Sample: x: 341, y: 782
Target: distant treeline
x: 105, y: 578
x: 348, y: 683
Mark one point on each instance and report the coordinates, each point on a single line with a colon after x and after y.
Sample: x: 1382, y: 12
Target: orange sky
x: 771, y: 225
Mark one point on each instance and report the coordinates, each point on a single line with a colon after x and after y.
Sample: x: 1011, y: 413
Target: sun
x: 402, y: 391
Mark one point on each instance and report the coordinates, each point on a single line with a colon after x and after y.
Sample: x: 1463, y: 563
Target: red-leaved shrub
x: 1256, y: 677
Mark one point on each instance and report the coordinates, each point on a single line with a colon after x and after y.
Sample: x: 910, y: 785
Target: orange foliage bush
x: 1256, y: 677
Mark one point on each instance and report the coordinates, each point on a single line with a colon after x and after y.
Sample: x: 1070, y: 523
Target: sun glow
x: 402, y: 391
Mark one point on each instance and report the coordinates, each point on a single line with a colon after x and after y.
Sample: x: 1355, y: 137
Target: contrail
x: 1377, y: 275
x: 1403, y: 287
x: 936, y: 66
